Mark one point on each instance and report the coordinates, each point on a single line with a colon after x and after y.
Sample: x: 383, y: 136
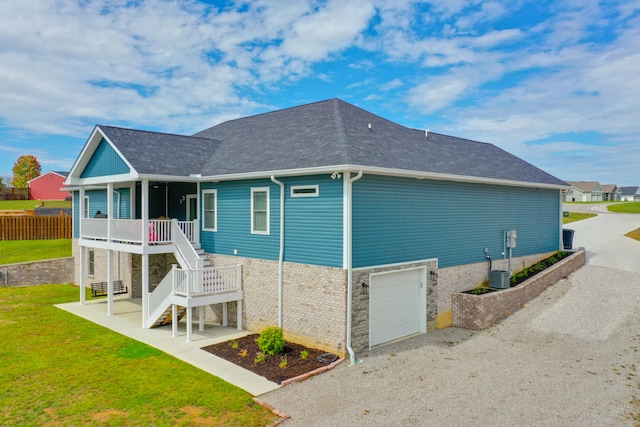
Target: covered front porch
x: 123, y: 223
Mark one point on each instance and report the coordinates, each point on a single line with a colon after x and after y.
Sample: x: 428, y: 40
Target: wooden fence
x: 35, y: 227
x: 10, y: 193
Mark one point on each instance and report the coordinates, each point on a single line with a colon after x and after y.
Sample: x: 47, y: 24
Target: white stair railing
x: 185, y: 252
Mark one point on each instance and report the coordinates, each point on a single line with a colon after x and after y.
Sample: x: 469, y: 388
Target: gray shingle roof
x: 334, y: 132
x: 155, y: 153
x: 322, y: 134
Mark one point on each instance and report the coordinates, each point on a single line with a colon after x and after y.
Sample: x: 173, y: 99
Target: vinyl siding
x: 313, y: 225
x: 98, y: 202
x: 399, y: 220
x: 104, y: 161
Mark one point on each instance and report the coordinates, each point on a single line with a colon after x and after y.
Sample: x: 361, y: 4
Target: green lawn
x: 59, y: 369
x: 12, y: 251
x: 576, y: 216
x: 31, y: 204
x: 627, y: 207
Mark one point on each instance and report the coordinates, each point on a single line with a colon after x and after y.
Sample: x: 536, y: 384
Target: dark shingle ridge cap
x: 153, y: 132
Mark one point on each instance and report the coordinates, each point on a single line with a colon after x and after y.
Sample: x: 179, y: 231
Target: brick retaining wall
x: 58, y: 270
x: 481, y: 311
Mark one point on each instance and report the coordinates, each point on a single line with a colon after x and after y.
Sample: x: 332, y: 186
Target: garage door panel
x: 395, y: 305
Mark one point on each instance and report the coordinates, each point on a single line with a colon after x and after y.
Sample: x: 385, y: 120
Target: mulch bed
x: 270, y: 368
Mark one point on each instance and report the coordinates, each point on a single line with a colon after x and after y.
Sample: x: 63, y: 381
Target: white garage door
x: 397, y: 305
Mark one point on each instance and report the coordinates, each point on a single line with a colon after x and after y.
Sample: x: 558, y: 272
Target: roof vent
x: 426, y: 133
x: 369, y: 126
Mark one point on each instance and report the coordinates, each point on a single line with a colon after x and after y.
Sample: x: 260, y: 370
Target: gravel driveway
x: 569, y: 358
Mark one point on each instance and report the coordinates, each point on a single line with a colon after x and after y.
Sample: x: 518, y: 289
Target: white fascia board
x: 276, y: 173
x: 457, y: 178
x: 381, y: 171
x: 99, y: 180
x: 85, y: 155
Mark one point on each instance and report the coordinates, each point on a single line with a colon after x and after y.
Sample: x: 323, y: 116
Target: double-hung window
x: 210, y: 210
x: 260, y: 210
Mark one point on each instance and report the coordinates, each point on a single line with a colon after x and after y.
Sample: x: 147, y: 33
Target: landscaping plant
x: 271, y: 341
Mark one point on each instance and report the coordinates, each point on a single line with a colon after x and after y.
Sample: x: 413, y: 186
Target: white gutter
x: 281, y: 255
x: 349, y: 246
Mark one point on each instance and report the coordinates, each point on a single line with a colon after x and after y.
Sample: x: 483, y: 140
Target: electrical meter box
x: 499, y: 279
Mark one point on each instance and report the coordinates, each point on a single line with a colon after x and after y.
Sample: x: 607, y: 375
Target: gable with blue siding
x: 399, y: 220
x: 104, y: 161
x: 313, y: 225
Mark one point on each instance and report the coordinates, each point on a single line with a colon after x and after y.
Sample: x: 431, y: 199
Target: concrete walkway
x: 127, y: 321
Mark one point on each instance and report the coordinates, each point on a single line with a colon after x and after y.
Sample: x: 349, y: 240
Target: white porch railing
x: 192, y: 284
x: 206, y: 281
x: 191, y: 230
x: 130, y: 230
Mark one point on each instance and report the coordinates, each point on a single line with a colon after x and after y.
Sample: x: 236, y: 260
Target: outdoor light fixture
x: 433, y: 274
x: 365, y: 288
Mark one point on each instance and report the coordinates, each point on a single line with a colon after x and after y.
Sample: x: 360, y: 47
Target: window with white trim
x: 305, y: 191
x: 85, y: 214
x: 260, y: 210
x: 210, y: 210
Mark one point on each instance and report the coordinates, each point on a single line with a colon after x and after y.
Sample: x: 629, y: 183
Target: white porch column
x: 239, y: 303
x: 83, y: 279
x: 83, y: 251
x: 225, y: 320
x: 145, y: 289
x: 144, y: 211
x: 201, y: 318
x: 239, y: 314
x: 174, y: 320
x: 189, y: 323
x: 109, y: 282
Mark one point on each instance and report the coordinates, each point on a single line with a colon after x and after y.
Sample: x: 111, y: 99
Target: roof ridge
x: 153, y: 131
x: 337, y: 114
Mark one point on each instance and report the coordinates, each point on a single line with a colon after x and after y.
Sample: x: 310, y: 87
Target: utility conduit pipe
x: 281, y: 254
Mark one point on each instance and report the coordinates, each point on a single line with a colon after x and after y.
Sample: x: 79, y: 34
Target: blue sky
x: 554, y: 82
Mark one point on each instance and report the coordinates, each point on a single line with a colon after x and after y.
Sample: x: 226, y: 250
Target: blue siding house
x: 342, y: 227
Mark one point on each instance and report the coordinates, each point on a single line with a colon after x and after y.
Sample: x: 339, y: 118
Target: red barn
x: 47, y: 186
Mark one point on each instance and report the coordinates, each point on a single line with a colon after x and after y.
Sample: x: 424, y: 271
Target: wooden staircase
x: 166, y: 317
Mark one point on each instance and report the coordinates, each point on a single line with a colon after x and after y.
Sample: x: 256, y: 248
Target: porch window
x: 85, y: 214
x: 92, y: 262
x: 210, y: 210
x: 260, y: 210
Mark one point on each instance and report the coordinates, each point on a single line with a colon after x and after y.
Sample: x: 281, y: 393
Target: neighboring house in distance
x: 584, y: 191
x: 344, y: 228
x: 630, y: 194
x: 48, y: 186
x: 611, y: 192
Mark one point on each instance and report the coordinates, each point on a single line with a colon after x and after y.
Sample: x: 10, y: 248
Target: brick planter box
x: 481, y: 311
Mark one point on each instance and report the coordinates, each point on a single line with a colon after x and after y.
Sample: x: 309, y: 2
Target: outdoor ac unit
x: 499, y: 279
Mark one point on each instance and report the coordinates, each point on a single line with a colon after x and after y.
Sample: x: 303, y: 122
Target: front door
x: 192, y: 207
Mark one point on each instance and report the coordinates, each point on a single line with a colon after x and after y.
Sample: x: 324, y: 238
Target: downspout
x: 281, y: 254
x: 349, y: 236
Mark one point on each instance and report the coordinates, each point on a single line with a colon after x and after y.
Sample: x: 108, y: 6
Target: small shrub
x: 234, y: 344
x: 243, y: 353
x: 259, y: 358
x: 283, y: 362
x: 271, y: 341
x: 304, y: 355
x: 479, y: 291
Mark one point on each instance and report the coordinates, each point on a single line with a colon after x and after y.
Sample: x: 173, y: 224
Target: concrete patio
x: 126, y: 320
